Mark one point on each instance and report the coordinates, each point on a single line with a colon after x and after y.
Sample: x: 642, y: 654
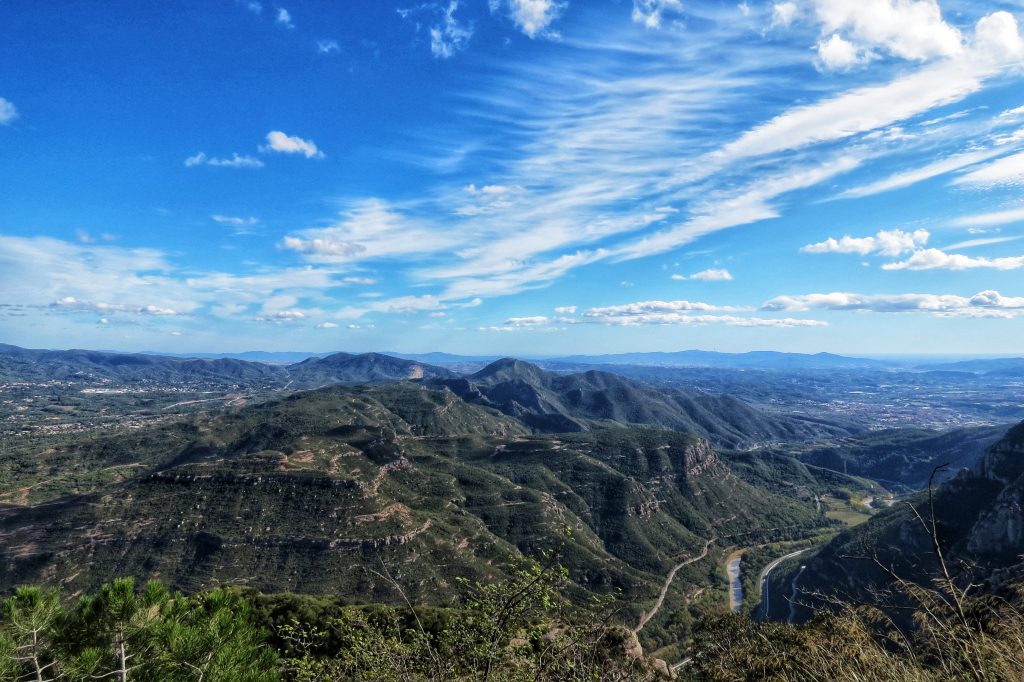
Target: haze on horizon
x: 514, y: 177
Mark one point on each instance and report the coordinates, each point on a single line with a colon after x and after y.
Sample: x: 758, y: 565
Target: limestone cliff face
x: 1000, y: 527
x: 698, y: 458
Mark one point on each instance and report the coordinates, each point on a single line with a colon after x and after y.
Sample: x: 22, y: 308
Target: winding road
x: 668, y: 582
x: 766, y: 573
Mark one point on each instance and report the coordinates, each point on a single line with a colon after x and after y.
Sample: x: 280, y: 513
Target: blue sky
x: 513, y: 176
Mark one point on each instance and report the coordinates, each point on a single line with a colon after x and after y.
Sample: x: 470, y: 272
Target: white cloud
x: 238, y: 225
x: 284, y: 18
x: 359, y: 280
x: 1007, y: 217
x: 282, y: 316
x: 327, y: 46
x: 369, y: 229
x: 450, y: 35
x: 1008, y: 170
x: 401, y: 305
x: 566, y: 310
x: 650, y: 13
x: 987, y: 241
x: 751, y: 204
x: 984, y: 304
x: 647, y: 307
x: 533, y: 17
x: 936, y: 259
x: 839, y: 54
x: 278, y: 141
x: 651, y: 313
x: 712, y: 275
x: 236, y: 161
x: 72, y: 304
x: 534, y: 321
x: 908, y: 29
x: 885, y: 243
x: 327, y: 325
x: 7, y: 112
x: 783, y: 13
x: 916, y: 175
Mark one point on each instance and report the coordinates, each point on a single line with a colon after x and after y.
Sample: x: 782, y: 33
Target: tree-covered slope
x: 553, y: 402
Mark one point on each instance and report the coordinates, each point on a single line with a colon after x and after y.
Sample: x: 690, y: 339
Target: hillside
x: 97, y: 367
x: 902, y: 457
x: 551, y: 402
x: 980, y: 525
x: 367, y: 368
x: 103, y: 368
x: 312, y: 492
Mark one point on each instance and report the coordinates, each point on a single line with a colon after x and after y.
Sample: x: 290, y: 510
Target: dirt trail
x: 668, y: 582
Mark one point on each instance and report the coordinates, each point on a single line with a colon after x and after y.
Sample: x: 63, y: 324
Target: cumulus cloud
x: 282, y: 316
x: 908, y: 29
x: 885, y: 243
x: 533, y: 17
x: 983, y: 304
x: 566, y: 310
x: 7, y: 112
x: 284, y: 18
x: 936, y: 259
x: 837, y: 53
x: 72, y: 304
x: 711, y: 275
x: 654, y: 313
x: 236, y: 161
x: 650, y: 13
x: 327, y: 325
x: 278, y: 141
x: 647, y: 307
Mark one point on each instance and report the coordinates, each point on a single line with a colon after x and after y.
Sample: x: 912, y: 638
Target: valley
x: 301, y: 478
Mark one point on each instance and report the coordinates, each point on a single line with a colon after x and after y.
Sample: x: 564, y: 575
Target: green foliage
x: 520, y: 629
x: 125, y: 633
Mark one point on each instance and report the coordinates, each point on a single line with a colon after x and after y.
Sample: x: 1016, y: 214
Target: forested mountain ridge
x: 554, y: 402
x: 308, y: 493
x: 979, y: 525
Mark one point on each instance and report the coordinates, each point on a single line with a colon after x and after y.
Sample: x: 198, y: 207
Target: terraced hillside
x: 324, y: 490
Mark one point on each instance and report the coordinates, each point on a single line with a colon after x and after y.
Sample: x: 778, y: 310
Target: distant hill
x: 553, y: 402
x: 751, y: 360
x: 904, y: 456
x: 367, y: 368
x: 266, y: 357
x: 99, y: 367
x: 995, y: 366
x: 133, y: 368
x: 980, y: 522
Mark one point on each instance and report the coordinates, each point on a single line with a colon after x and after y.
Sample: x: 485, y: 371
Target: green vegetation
x: 518, y: 630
